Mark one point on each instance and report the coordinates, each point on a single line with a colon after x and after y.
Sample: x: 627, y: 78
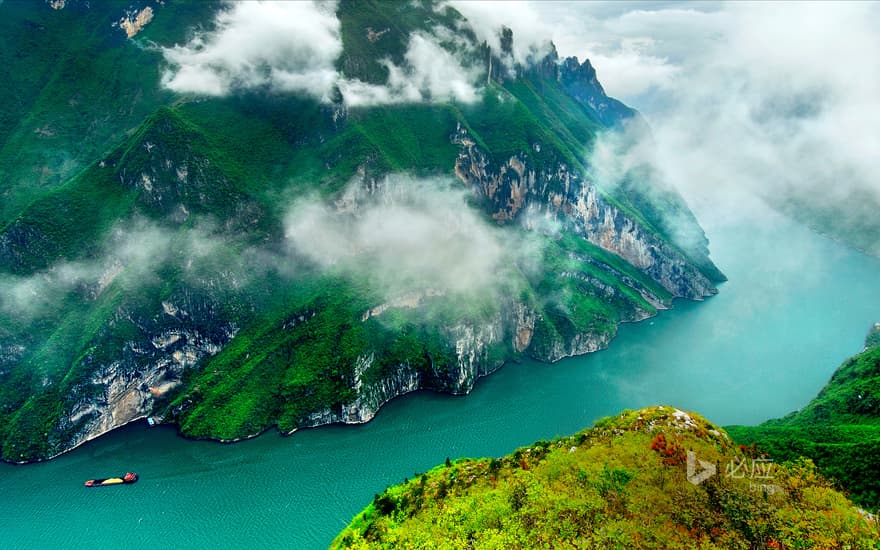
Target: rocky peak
x: 581, y: 83
x: 570, y: 70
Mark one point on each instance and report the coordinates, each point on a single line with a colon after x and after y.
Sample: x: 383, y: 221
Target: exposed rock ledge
x: 129, y: 395
x: 471, y: 349
x: 187, y: 332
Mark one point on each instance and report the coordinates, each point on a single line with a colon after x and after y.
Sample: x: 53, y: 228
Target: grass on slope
x: 298, y: 358
x: 621, y: 484
x: 839, y: 429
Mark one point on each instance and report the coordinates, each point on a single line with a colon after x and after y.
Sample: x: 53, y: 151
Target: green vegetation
x: 621, y: 484
x: 73, y: 87
x: 91, y: 146
x: 839, y: 429
x: 583, y: 294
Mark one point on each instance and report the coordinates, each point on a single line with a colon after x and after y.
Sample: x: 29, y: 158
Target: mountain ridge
x: 176, y: 276
x: 658, y: 477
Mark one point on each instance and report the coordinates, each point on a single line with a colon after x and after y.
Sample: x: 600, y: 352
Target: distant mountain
x: 293, y: 229
x: 851, y: 220
x: 839, y: 429
x: 654, y: 478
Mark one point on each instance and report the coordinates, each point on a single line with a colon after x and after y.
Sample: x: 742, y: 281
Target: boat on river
x: 127, y: 479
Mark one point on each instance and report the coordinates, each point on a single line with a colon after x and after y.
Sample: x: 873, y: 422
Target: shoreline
x: 371, y: 415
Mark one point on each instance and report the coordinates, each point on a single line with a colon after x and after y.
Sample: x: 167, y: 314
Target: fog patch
x: 771, y: 100
x: 407, y: 235
x: 132, y: 257
x: 286, y: 46
x: 430, y: 74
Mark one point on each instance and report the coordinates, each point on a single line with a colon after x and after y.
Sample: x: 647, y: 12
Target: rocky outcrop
x: 595, y: 218
x: 370, y: 395
x: 472, y: 344
x: 522, y: 320
x: 183, y: 332
x: 134, y: 21
x: 514, y: 185
x: 581, y: 83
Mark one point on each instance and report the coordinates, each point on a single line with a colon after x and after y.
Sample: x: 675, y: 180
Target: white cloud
x: 767, y: 99
x: 410, y: 235
x: 293, y: 47
x: 782, y: 102
x: 131, y: 256
x: 531, y: 31
x: 630, y: 59
x: 287, y: 46
x: 630, y: 68
x: 431, y: 74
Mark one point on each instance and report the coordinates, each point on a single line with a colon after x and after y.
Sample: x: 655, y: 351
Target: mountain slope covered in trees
x: 242, y: 250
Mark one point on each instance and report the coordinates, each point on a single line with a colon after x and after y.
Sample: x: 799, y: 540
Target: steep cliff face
x: 204, y: 315
x: 474, y: 347
x: 116, y: 386
x: 185, y: 332
x: 514, y: 186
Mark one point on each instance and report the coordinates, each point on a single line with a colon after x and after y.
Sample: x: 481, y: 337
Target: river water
x: 796, y: 305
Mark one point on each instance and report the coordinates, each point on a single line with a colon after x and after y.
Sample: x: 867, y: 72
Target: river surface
x: 796, y: 305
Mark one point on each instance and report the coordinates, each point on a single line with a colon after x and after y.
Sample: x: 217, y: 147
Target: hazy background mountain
x: 772, y: 100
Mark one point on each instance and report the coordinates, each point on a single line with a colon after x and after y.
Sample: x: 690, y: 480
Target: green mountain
x: 654, y: 478
x: 289, y: 232
x: 839, y: 429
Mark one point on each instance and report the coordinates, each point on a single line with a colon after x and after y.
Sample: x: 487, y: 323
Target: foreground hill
x: 839, y: 429
x: 352, y: 204
x: 654, y: 478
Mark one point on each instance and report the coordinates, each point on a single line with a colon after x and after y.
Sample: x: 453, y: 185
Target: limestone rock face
x: 184, y: 332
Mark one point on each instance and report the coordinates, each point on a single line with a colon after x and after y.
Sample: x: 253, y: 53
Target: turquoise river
x: 796, y: 305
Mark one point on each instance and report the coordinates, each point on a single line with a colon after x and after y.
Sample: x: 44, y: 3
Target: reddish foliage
x: 750, y: 451
x: 658, y: 443
x: 672, y: 453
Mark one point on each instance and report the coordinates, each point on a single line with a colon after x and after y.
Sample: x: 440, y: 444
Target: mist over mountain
x: 770, y: 102
x: 241, y: 215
